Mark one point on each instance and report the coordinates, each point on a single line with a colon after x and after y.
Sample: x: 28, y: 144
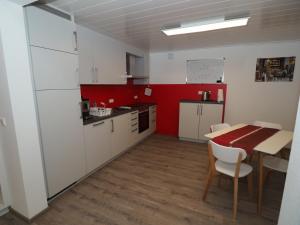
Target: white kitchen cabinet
x: 120, y: 133
x: 62, y: 137
x: 51, y: 31
x: 189, y: 120
x: 110, y: 61
x: 102, y: 60
x: 54, y: 69
x: 97, y: 144
x: 195, y: 119
x: 209, y: 114
x: 152, y: 118
x: 134, y: 128
x: 87, y: 73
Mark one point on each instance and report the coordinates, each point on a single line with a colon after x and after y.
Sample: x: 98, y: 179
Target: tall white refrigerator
x: 61, y: 127
x: 56, y: 78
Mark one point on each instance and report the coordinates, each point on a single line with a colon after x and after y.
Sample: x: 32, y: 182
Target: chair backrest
x: 220, y: 126
x: 227, y: 154
x: 267, y: 125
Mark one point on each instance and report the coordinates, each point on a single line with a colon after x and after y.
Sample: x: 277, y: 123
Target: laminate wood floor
x: 158, y: 182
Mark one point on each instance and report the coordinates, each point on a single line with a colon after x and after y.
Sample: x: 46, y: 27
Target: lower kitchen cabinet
x: 134, y: 128
x: 195, y: 119
x: 108, y: 138
x: 120, y: 133
x: 97, y: 144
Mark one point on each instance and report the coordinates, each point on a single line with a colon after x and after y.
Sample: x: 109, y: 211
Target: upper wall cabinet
x: 50, y: 31
x: 102, y: 60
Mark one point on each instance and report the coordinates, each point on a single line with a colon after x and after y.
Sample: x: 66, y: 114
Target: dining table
x: 271, y: 145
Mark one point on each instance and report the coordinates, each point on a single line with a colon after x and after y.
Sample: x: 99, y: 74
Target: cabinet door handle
x: 112, y: 126
x: 198, y: 109
x: 201, y: 109
x: 134, y: 113
x: 75, y: 40
x: 98, y: 124
x: 134, y: 130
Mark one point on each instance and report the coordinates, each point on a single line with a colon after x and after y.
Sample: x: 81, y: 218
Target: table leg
x: 260, y: 182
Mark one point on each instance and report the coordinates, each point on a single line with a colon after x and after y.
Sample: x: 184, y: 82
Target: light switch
x: 111, y: 100
x: 200, y: 92
x: 3, y: 121
x: 135, y: 97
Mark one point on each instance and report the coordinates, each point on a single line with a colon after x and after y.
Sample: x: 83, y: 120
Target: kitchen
x: 93, y: 90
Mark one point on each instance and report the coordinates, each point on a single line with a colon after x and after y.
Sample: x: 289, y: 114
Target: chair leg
x: 208, y: 183
x: 235, y: 197
x: 250, y: 185
x: 266, y: 175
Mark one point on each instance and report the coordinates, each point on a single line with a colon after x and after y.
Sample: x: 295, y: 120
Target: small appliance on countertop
x: 85, y: 109
x: 206, y: 95
x: 220, y: 95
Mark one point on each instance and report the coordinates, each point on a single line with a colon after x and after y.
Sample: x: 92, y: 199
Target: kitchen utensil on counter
x: 85, y: 108
x: 206, y: 95
x: 220, y: 95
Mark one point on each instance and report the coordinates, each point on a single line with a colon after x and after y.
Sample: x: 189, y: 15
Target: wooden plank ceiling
x: 138, y: 22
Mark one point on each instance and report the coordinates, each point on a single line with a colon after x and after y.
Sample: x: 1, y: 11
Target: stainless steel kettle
x: 206, y: 95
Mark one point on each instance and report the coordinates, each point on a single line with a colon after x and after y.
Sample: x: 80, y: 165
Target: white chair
x: 267, y: 124
x: 272, y: 162
x: 217, y: 127
x: 229, y: 162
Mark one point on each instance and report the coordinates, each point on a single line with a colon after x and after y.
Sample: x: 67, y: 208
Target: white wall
x: 21, y: 140
x: 246, y: 100
x: 289, y: 213
x: 5, y: 106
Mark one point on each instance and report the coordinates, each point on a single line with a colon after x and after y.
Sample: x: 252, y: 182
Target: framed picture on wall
x: 275, y: 69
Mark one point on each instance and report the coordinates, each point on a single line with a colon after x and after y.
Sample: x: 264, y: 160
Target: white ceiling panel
x: 138, y: 22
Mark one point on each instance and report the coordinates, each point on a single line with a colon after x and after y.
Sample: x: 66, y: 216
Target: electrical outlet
x: 200, y: 92
x: 135, y: 97
x: 111, y: 100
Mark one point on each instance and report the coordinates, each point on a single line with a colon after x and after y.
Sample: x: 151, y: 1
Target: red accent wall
x: 122, y: 94
x: 167, y: 97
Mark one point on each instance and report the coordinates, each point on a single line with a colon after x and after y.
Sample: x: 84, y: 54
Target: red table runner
x: 226, y: 139
x: 250, y: 141
x: 253, y: 136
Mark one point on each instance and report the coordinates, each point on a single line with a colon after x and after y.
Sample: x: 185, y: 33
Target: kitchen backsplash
x: 167, y: 97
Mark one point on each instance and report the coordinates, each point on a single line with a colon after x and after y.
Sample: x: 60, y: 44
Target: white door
x: 62, y: 137
x: 54, y: 69
x: 120, y: 133
x: 97, y: 144
x: 50, y: 31
x: 86, y: 40
x: 189, y: 120
x: 209, y: 114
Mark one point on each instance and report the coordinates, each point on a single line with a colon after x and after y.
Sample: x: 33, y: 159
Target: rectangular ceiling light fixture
x: 208, y: 25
